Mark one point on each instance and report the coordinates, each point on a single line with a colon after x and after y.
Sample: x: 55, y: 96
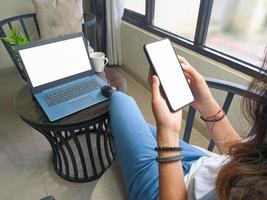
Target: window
x: 180, y: 18
x: 239, y: 29
x: 138, y: 6
x: 231, y: 32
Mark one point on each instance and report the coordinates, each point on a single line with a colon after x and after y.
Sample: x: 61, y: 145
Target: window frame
x: 198, y: 45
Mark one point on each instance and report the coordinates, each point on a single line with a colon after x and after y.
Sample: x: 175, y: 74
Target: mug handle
x: 106, y: 61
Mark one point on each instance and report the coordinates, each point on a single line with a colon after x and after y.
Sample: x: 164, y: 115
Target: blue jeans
x: 134, y: 142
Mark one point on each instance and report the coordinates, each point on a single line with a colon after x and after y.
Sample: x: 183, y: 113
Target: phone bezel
x: 161, y: 87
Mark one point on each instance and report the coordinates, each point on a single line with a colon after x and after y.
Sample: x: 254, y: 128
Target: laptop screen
x: 54, y: 61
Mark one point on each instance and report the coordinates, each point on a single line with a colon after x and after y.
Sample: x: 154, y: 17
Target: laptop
x: 61, y: 76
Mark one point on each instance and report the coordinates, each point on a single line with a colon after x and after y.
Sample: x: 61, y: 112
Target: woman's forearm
x: 222, y: 131
x: 223, y: 134
x: 171, y: 181
x: 171, y: 177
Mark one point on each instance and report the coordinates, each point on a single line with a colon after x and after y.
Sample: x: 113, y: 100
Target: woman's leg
x: 134, y: 145
x: 135, y: 141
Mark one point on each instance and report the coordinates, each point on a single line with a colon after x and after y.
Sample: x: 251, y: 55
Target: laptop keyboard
x: 71, y: 92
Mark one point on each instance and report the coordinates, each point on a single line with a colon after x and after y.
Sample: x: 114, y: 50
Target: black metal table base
x: 81, y: 152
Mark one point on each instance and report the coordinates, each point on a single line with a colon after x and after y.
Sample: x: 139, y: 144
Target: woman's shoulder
x: 208, y: 164
x: 200, y: 181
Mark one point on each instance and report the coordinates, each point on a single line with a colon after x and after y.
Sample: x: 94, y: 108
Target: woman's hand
x: 168, y: 123
x: 171, y: 177
x: 204, y: 101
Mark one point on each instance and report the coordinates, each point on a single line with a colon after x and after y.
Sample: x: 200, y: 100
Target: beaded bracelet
x: 159, y: 148
x: 214, y: 115
x: 213, y: 120
x: 169, y: 159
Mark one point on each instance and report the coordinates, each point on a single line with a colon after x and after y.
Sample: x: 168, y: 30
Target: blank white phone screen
x: 170, y: 73
x: 54, y: 61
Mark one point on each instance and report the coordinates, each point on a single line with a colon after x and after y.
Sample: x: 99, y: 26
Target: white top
x: 201, y: 179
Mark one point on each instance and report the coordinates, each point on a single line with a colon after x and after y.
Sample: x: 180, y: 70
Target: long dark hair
x: 245, y: 176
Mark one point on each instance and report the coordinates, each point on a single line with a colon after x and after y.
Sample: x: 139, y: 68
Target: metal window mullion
x: 203, y: 21
x: 150, y: 10
x: 133, y: 16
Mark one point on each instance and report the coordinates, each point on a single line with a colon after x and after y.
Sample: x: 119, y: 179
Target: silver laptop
x: 61, y: 76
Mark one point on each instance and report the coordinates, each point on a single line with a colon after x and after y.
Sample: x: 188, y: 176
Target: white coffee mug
x: 99, y: 61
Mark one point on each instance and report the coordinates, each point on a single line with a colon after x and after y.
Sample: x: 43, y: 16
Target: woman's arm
x: 221, y: 131
x: 171, y: 177
x: 171, y: 180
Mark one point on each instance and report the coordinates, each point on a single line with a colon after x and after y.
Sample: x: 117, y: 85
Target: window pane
x: 239, y: 28
x: 177, y: 16
x: 136, y: 5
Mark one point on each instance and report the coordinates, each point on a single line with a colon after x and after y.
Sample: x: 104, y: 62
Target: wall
x: 133, y: 39
x: 10, y: 8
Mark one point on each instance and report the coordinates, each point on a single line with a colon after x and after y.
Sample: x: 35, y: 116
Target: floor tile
x: 20, y: 176
x: 43, y: 153
x: 14, y: 136
x: 36, y: 135
x: 64, y: 190
x: 138, y: 92
x: 134, y: 88
x: 55, y: 185
x: 198, y: 139
x: 13, y: 131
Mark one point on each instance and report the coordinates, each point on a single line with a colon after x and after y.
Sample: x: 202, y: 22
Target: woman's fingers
x: 190, y: 70
x: 183, y: 60
x: 188, y: 77
x: 185, y: 65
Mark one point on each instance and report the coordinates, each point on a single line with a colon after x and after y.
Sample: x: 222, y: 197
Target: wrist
x: 210, y: 108
x: 167, y: 154
x: 168, y: 138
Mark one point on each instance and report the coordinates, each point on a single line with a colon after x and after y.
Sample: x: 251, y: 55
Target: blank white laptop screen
x: 54, y: 61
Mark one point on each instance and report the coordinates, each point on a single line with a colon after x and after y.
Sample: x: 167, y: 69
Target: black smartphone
x: 164, y: 61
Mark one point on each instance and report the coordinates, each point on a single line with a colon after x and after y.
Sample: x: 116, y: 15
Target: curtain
x: 114, y: 13
x: 99, y: 9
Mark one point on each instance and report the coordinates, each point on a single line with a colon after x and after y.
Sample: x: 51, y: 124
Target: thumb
x: 155, y: 88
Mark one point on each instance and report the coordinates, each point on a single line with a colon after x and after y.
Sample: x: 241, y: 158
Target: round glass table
x: 81, y: 143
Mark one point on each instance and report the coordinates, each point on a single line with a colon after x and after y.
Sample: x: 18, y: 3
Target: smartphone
x: 164, y: 61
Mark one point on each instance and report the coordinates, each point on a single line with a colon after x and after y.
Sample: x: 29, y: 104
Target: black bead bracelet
x: 159, y: 148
